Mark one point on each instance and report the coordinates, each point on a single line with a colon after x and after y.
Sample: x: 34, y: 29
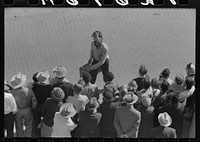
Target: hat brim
x: 91, y: 108
x: 60, y: 76
x: 45, y: 81
x: 167, y: 124
x: 71, y: 114
x: 133, y: 102
x: 21, y: 84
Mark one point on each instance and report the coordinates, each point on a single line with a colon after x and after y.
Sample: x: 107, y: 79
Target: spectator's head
x: 155, y: 83
x: 86, y: 77
x: 164, y: 119
x: 67, y: 110
x: 132, y: 85
x: 146, y: 101
x: 146, y: 82
x: 60, y: 71
x: 123, y: 90
x: 189, y: 83
x: 109, y: 77
x: 130, y: 98
x: 92, y: 104
x: 77, y: 88
x: 18, y: 80
x: 35, y: 80
x: 190, y: 69
x: 57, y: 94
x: 142, y: 70
x: 164, y: 86
x: 165, y: 73
x: 43, y: 77
x: 179, y: 79
x: 108, y: 96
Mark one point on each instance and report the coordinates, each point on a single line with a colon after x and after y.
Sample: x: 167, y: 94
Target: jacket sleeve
x: 135, y: 127
x: 117, y: 124
x: 33, y: 99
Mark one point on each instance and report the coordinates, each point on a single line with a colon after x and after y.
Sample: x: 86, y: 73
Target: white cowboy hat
x: 130, y: 98
x: 43, y: 77
x: 164, y: 119
x: 60, y: 71
x: 18, y: 80
x: 146, y: 101
x: 67, y: 110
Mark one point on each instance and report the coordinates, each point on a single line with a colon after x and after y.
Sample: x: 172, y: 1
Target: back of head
x: 189, y: 83
x: 146, y: 82
x: 165, y: 73
x: 109, y: 76
x: 190, y: 69
x: 179, y: 79
x: 164, y: 86
x: 86, y: 77
x: 57, y: 94
x: 155, y: 83
x: 77, y: 88
x: 142, y: 70
x: 35, y: 77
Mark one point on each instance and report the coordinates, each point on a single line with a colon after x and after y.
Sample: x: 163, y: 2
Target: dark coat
x: 88, y: 125
x: 107, y: 109
x: 146, y: 123
x: 176, y: 115
x: 163, y: 132
x: 42, y: 92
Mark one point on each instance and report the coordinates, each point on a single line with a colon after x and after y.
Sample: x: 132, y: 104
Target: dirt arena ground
x: 39, y: 39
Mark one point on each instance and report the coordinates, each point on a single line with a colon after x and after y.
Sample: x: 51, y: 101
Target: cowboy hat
x: 164, y: 119
x: 146, y: 101
x: 130, y: 98
x: 60, y: 71
x: 92, y: 104
x: 18, y: 80
x: 67, y: 110
x: 43, y: 77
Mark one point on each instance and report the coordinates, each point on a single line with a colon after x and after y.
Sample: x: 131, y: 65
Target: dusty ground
x: 41, y: 38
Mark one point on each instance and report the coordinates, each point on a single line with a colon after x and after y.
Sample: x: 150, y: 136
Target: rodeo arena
x: 79, y: 73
